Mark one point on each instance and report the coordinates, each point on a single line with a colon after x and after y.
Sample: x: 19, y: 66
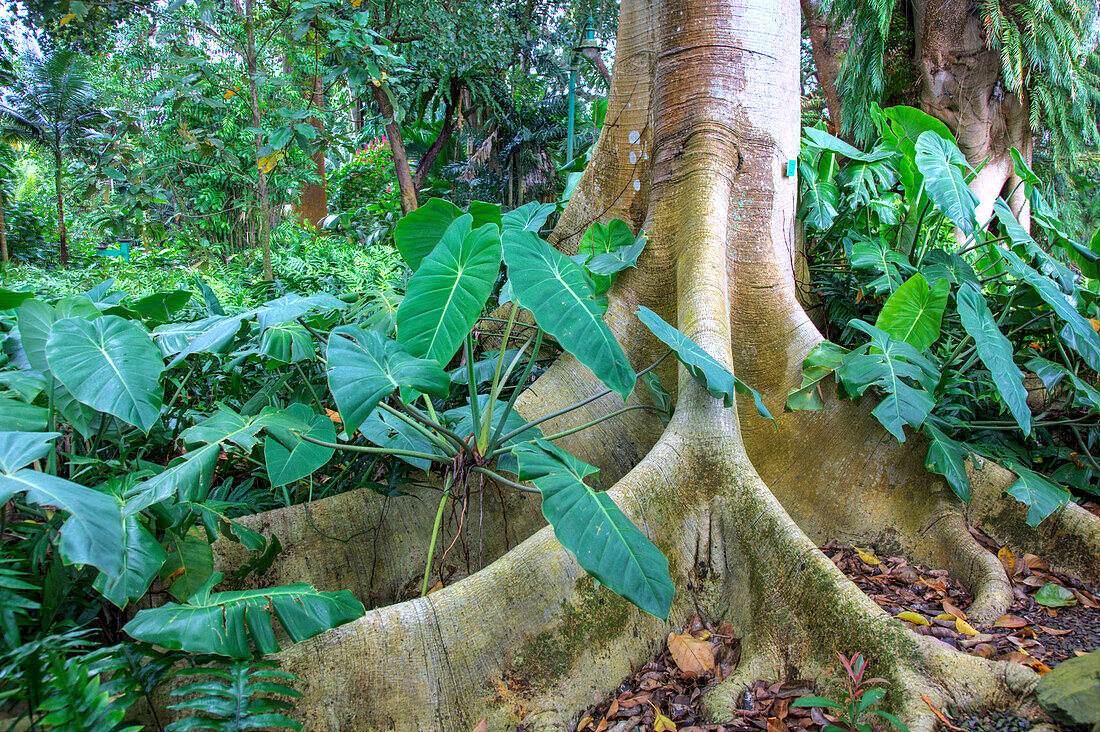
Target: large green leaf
x: 392, y: 433
x: 446, y: 295
x: 601, y: 240
x: 9, y: 299
x: 417, y: 233
x: 223, y: 622
x: 209, y: 335
x: 825, y: 358
x: 1042, y: 496
x: 995, y: 351
x: 161, y: 306
x: 589, y: 524
x: 820, y: 197
x: 18, y: 416
x: 948, y: 458
x: 909, y: 123
x: 27, y: 384
x: 93, y: 532
x: 188, y: 478
x: 562, y: 298
x: 110, y: 364
x: 528, y: 217
x: 875, y: 254
x: 939, y: 161
x: 289, y: 307
x: 190, y: 562
x: 288, y: 343
x: 19, y: 449
x: 226, y: 425
x: 142, y: 558
x: 288, y: 457
x: 707, y: 371
x: 913, y: 313
x: 822, y: 140
x: 1085, y: 340
x: 889, y: 368
x: 36, y: 318
x: 365, y: 367
x: 1022, y: 240
x: 1051, y: 373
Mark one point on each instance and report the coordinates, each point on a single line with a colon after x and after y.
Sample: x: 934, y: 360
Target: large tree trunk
x: 828, y: 45
x: 961, y: 84
x: 703, y: 113
x: 263, y: 198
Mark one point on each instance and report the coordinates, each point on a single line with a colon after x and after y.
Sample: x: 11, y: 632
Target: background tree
x: 996, y: 73
x: 54, y: 105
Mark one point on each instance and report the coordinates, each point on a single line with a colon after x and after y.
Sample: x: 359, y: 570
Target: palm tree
x: 52, y: 104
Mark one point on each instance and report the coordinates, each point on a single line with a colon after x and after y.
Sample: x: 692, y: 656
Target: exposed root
x: 376, y: 546
x: 1069, y: 539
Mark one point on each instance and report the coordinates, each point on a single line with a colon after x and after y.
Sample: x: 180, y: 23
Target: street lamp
x: 590, y: 49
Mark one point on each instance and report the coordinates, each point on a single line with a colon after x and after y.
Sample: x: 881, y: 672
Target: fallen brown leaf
x: 1010, y: 621
x: 692, y: 656
x: 1008, y: 560
x: 939, y: 715
x: 1055, y: 631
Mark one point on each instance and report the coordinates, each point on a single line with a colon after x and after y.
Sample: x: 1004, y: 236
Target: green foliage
x: 237, y: 696
x: 959, y: 325
x: 858, y: 699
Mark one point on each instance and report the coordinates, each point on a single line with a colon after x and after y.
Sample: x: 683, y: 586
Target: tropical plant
x: 857, y: 699
x: 53, y: 104
x: 236, y: 696
x: 958, y: 334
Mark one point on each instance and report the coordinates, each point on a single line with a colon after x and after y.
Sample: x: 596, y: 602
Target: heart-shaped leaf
x: 446, y: 295
x: 913, y: 313
x: 110, y: 364
x: 365, y: 367
x: 288, y: 456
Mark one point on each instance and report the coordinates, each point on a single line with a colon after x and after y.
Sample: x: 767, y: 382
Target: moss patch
x: 598, y: 614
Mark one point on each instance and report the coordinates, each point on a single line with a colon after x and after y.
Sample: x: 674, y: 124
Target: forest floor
x: 665, y: 695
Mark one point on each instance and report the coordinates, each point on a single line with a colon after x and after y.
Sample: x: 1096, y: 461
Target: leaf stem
x: 376, y: 450
x: 435, y: 530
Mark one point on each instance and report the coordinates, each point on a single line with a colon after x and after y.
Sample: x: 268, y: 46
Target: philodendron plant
x: 385, y: 383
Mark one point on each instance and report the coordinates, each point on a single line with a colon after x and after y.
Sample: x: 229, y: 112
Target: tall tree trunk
x: 314, y: 205
x: 62, y: 233
x: 405, y: 182
x: 424, y: 165
x: 263, y: 200
x: 961, y: 85
x: 828, y: 44
x: 3, y: 230
x: 703, y: 112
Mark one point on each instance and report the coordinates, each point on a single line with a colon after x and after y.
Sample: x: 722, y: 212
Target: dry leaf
x: 1033, y: 562
x: 776, y: 725
x: 482, y: 726
x: 1055, y: 631
x: 964, y: 627
x: 1010, y: 621
x: 585, y: 723
x: 867, y: 557
x: 1086, y: 598
x: 1008, y: 560
x: 913, y: 617
x: 661, y: 723
x: 692, y: 656
x: 939, y: 714
x: 950, y: 608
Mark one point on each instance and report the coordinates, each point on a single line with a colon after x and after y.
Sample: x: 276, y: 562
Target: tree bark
x: 3, y: 231
x: 263, y: 199
x: 405, y: 182
x: 314, y: 205
x: 961, y: 85
x: 424, y: 165
x: 828, y: 44
x: 62, y: 233
x: 702, y: 115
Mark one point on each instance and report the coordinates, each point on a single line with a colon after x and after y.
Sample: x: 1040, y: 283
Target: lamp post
x: 590, y: 49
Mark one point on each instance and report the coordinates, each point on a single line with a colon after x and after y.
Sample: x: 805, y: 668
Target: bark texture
x: 314, y: 206
x: 703, y: 116
x: 828, y: 44
x: 961, y: 85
